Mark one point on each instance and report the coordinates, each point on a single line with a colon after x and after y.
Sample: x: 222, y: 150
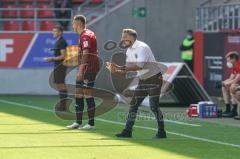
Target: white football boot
x: 74, y: 126
x: 87, y: 127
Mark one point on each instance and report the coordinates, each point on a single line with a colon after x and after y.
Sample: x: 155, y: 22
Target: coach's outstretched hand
x: 111, y: 67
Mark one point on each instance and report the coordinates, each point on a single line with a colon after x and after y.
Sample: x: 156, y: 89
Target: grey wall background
x: 163, y: 29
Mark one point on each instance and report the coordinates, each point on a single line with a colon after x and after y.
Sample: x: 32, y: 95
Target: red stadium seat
x: 96, y: 1
x: 93, y: 17
x: 43, y: 1
x: 46, y: 25
x: 26, y: 1
x: 11, y: 13
x: 27, y: 13
x: 10, y: 25
x: 7, y: 1
x: 28, y: 25
x: 77, y: 1
x: 46, y: 12
x: 118, y: 1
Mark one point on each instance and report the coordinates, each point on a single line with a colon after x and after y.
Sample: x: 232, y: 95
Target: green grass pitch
x: 30, y: 130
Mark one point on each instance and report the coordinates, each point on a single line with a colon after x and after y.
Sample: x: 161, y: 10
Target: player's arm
x: 58, y: 58
x: 61, y: 57
x: 86, y: 43
x: 83, y: 64
x: 236, y: 89
x: 233, y: 79
x: 236, y: 79
x: 84, y: 60
x: 229, y: 79
x: 62, y: 48
x: 232, y: 76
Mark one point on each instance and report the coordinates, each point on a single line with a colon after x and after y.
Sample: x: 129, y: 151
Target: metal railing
x: 208, y: 3
x: 93, y: 13
x: 36, y: 18
x: 218, y: 17
x: 98, y: 12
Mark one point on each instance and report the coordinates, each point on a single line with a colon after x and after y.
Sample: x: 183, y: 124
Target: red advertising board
x: 12, y: 48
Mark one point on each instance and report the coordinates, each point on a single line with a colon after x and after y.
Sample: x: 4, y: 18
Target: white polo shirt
x: 140, y: 54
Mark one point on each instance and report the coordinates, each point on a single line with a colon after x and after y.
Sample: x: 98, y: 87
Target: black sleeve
x: 63, y: 45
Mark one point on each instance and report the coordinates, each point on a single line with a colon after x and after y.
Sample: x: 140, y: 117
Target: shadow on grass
x: 174, y: 144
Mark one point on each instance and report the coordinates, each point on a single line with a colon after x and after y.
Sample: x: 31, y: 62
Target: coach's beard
x: 125, y: 44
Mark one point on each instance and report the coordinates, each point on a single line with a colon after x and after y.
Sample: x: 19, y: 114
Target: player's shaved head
x: 79, y: 23
x: 80, y: 18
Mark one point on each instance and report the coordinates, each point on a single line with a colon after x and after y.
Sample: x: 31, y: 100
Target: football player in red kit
x: 88, y: 69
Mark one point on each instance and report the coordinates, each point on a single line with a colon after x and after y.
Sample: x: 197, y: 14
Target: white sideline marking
x: 120, y: 123
x: 25, y: 105
x: 43, y: 109
x: 177, y: 134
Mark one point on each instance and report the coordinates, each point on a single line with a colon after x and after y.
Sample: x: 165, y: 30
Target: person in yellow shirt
x: 187, y: 50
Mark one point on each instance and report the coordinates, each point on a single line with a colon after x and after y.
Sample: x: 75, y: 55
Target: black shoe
x: 237, y: 117
x: 227, y: 114
x: 161, y: 135
x: 231, y: 114
x: 125, y: 134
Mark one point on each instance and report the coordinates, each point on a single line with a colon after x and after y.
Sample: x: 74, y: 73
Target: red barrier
x: 198, y: 56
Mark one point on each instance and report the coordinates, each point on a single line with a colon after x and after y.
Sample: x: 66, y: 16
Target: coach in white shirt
x: 140, y: 58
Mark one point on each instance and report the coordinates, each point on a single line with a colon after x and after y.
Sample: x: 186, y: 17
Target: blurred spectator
x: 229, y: 84
x: 62, y: 13
x: 186, y: 49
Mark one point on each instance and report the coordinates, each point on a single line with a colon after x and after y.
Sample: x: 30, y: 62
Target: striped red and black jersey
x: 88, y: 40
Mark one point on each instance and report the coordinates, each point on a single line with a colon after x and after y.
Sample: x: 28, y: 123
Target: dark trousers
x: 151, y: 87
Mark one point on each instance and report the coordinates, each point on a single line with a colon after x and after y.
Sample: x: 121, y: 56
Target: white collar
x: 135, y: 44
